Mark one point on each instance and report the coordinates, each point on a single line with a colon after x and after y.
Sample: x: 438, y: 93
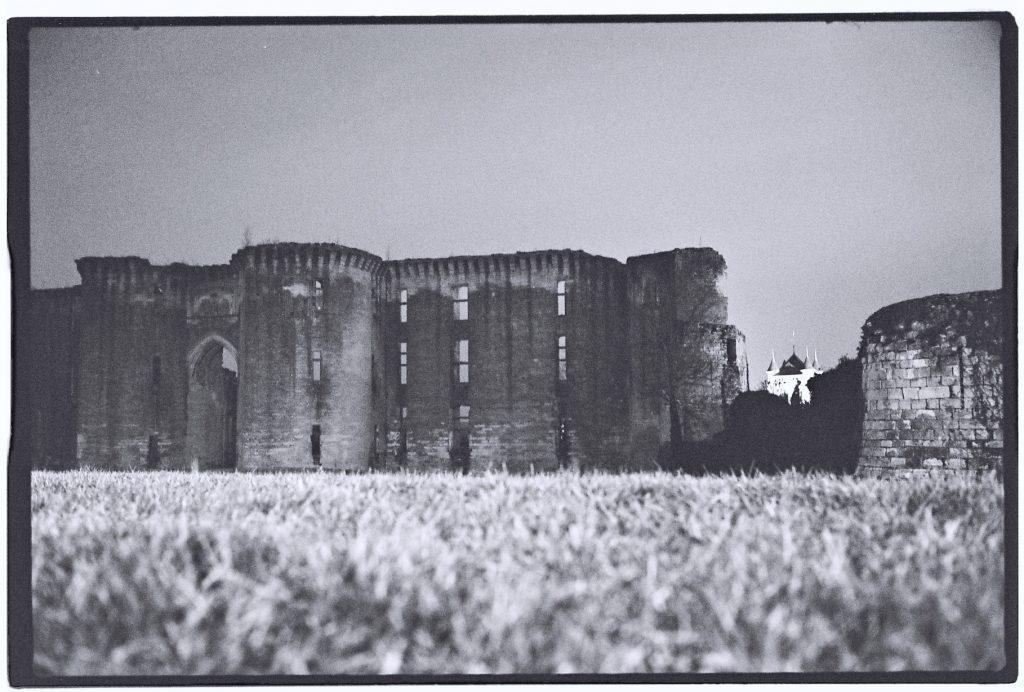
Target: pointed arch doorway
x: 212, y: 404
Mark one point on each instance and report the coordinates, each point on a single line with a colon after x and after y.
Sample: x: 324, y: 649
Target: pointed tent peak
x: 771, y: 368
x: 815, y: 363
x: 807, y: 357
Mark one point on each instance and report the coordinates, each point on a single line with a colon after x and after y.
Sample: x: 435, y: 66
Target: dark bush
x: 764, y: 432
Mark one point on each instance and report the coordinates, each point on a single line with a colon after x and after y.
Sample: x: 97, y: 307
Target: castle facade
x: 794, y: 373
x: 298, y: 356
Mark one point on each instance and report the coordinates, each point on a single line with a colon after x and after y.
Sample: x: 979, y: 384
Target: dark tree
x: 765, y: 433
x: 836, y: 416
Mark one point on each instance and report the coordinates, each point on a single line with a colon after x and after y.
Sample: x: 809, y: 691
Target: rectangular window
x: 463, y: 360
x: 561, y: 297
x: 405, y: 412
x: 730, y: 348
x: 403, y: 306
x: 403, y: 363
x: 318, y: 295
x: 462, y: 303
x: 562, y: 361
x: 317, y: 360
x: 463, y: 417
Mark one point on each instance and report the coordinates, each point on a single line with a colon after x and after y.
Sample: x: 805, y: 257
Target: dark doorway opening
x: 458, y: 451
x: 562, y: 445
x: 212, y: 406
x: 314, y: 444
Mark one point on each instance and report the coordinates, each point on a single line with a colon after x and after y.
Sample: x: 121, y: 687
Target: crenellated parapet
x: 138, y: 277
x: 196, y: 274
x: 497, y: 266
x: 116, y: 273
x: 312, y: 258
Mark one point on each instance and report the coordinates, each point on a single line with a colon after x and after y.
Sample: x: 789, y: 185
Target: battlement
x: 115, y: 271
x: 199, y: 273
x: 136, y: 274
x: 304, y: 257
x: 566, y: 262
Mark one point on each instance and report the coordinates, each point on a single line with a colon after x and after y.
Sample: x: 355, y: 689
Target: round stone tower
x: 933, y: 385
x: 310, y: 385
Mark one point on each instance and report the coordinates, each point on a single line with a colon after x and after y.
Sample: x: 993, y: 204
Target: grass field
x: 177, y: 573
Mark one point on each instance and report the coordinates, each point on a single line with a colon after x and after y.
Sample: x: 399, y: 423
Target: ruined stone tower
x: 933, y: 385
x: 294, y: 356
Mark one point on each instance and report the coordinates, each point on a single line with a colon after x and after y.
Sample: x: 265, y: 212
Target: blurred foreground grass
x: 176, y: 573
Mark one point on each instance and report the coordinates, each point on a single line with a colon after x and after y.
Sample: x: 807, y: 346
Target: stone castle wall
x: 680, y: 348
x: 315, y: 332
x: 933, y: 387
x: 516, y: 400
x: 133, y: 315
x: 53, y: 324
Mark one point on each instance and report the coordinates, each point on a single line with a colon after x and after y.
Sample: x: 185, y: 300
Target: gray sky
x: 837, y: 167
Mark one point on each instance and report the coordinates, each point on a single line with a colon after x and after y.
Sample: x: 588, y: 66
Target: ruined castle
x: 298, y: 356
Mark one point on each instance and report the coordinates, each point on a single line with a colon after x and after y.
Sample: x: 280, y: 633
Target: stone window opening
x: 458, y: 446
x: 314, y: 443
x: 318, y: 295
x: 563, y: 370
x: 730, y: 349
x: 403, y: 435
x: 153, y: 452
x: 561, y: 298
x: 317, y: 366
x: 403, y: 363
x: 156, y: 371
x: 403, y: 306
x: 462, y: 303
x: 462, y: 358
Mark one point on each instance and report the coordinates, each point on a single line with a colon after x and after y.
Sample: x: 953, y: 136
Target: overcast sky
x: 837, y: 167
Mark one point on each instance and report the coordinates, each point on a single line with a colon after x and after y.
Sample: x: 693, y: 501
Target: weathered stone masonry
x: 933, y: 385
x: 292, y: 355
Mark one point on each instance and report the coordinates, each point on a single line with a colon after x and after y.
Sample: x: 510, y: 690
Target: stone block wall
x: 933, y: 387
x: 515, y: 398
x: 680, y: 348
x: 594, y: 398
x: 132, y: 313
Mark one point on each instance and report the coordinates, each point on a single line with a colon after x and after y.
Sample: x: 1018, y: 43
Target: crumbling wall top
x: 976, y: 316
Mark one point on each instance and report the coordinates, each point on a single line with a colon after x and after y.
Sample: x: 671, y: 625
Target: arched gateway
x: 212, y: 404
